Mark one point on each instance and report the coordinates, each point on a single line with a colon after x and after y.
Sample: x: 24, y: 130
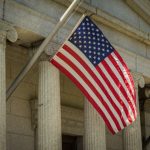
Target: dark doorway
x: 71, y: 143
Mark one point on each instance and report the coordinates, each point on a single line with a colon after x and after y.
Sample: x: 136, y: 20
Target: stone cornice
x: 141, y: 7
x: 111, y: 21
x: 101, y: 17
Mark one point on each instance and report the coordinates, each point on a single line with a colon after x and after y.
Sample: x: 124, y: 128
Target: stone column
x: 132, y: 134
x: 95, y: 135
x: 49, y: 110
x: 6, y: 32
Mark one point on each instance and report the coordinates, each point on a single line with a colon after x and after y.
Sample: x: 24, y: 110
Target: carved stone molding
x: 3, y: 37
x: 138, y: 79
x: 7, y: 32
x: 44, y: 57
x: 142, y: 7
x: 52, y: 48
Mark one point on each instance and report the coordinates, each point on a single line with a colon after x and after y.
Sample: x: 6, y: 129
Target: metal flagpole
x: 41, y: 48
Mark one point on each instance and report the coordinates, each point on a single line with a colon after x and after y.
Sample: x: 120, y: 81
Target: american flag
x: 98, y: 70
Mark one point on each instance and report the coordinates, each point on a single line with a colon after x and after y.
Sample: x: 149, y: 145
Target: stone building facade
x: 47, y: 111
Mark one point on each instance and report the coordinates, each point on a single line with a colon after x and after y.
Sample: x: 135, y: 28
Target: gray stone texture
x: 49, y: 109
x: 132, y: 139
x: 72, y: 121
x: 1, y: 8
x: 114, y: 142
x: 94, y: 129
x: 2, y: 91
x: 19, y: 142
x: 122, y: 11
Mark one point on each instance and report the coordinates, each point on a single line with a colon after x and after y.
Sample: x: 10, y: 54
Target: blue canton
x: 91, y: 41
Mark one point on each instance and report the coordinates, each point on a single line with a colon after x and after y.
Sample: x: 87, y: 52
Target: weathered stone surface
x: 143, y: 65
x: 124, y: 41
x: 141, y: 7
x: 20, y: 107
x: 1, y: 8
x: 25, y: 91
x: 72, y: 121
x: 125, y: 13
x: 145, y: 27
x: 19, y: 125
x: 17, y: 54
x: 94, y: 129
x: 20, y: 142
x: 10, y: 32
x: 49, y: 113
x: 2, y: 91
x: 6, y: 32
x: 148, y: 51
x: 147, y: 119
x: 114, y: 142
x: 72, y: 100
x: 42, y: 24
x: 70, y: 87
x: 132, y: 139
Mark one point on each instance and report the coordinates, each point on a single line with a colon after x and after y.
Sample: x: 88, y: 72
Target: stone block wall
x: 19, y: 132
x: 122, y: 11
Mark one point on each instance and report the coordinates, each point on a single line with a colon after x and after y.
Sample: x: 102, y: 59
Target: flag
x: 98, y: 70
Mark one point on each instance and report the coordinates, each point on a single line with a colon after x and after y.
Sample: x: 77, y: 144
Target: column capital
x: 2, y: 37
x: 7, y: 31
x: 44, y: 57
x: 52, y: 48
x: 138, y: 79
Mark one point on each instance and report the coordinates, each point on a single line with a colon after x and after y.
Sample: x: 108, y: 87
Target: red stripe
x: 127, y: 70
x: 83, y: 63
x: 91, y: 100
x: 75, y: 68
x: 115, y: 93
x: 111, y: 58
x: 117, y: 82
x: 91, y: 86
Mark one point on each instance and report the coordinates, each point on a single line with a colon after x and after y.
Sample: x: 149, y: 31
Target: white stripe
x: 87, y: 88
x: 76, y: 50
x: 117, y: 90
x: 114, y: 70
x: 122, y: 68
x: 92, y: 81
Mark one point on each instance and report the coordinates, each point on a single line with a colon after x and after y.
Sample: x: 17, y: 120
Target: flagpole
x: 41, y: 48
x: 77, y: 24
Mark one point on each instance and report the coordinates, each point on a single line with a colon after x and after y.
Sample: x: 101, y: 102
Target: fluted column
x: 6, y: 32
x: 132, y: 134
x: 49, y: 115
x: 94, y: 136
x: 2, y: 92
